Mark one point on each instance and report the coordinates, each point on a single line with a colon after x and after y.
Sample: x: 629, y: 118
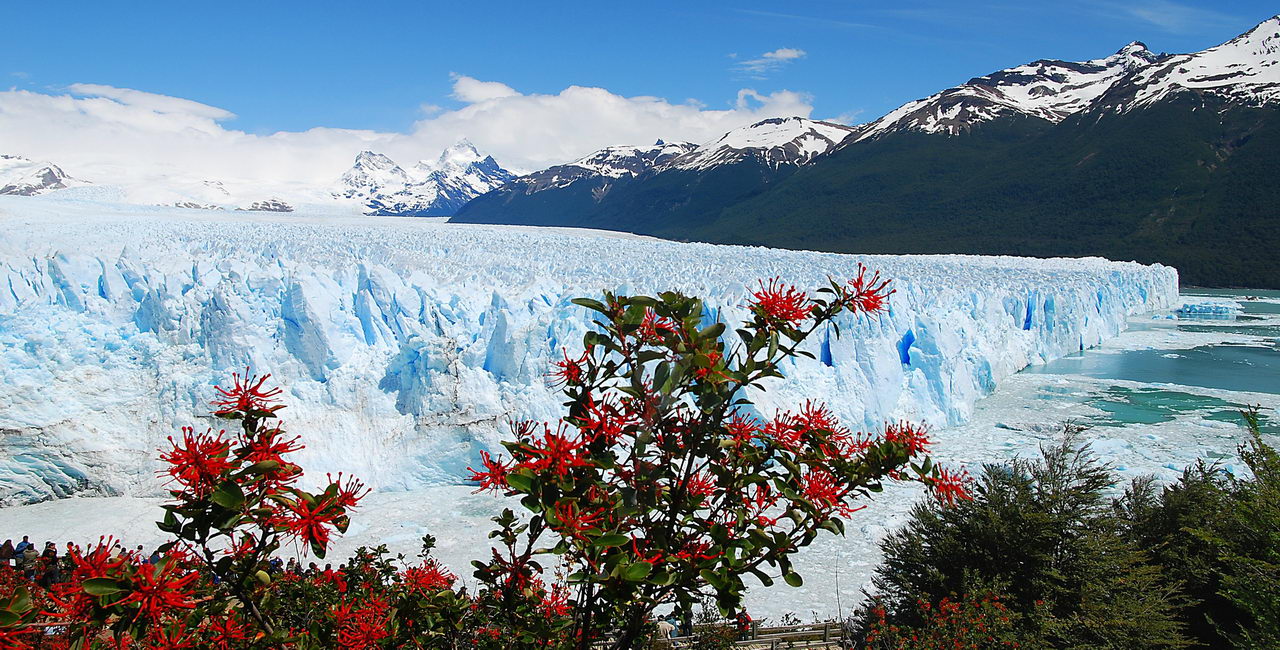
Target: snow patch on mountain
x: 1244, y: 70
x: 774, y: 142
x: 608, y: 164
x: 23, y: 177
x: 1047, y: 89
x: 405, y: 345
x: 428, y: 188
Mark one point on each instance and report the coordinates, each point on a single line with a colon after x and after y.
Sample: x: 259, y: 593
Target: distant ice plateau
x: 405, y: 345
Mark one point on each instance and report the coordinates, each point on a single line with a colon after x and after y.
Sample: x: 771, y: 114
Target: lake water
x: 1165, y: 392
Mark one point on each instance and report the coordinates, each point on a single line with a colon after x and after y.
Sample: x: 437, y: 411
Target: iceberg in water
x: 405, y: 345
x: 1209, y: 306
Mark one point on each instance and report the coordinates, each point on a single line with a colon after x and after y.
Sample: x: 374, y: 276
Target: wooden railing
x: 827, y: 634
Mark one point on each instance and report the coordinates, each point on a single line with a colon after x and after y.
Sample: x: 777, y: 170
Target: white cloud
x: 118, y: 135
x: 769, y: 62
x: 471, y: 90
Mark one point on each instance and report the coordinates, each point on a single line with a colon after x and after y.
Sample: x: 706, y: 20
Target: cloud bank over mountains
x: 121, y: 135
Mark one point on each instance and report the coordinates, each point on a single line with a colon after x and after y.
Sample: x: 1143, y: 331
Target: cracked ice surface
x: 405, y: 344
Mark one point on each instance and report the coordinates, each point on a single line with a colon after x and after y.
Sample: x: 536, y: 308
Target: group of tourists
x: 45, y: 566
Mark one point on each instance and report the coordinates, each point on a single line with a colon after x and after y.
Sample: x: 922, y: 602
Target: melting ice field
x: 406, y: 345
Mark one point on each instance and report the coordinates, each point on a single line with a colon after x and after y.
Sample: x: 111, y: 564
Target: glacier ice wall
x: 405, y: 345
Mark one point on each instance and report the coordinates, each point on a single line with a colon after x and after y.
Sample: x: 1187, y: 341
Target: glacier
x: 405, y: 345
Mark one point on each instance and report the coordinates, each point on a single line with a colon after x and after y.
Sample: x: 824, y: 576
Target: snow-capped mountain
x: 428, y: 188
x: 23, y: 177
x: 774, y: 142
x: 618, y: 162
x: 1048, y: 89
x: 1244, y: 70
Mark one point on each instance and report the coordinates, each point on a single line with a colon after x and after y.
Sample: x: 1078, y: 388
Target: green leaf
x: 101, y: 587
x: 636, y: 571
x: 662, y: 579
x: 793, y: 579
x: 263, y: 577
x: 228, y: 495
x: 590, y: 304
x: 612, y: 540
x: 520, y: 482
x: 263, y: 467
x: 21, y: 601
x: 8, y: 618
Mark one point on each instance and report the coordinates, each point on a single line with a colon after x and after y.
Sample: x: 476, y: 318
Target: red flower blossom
x: 760, y: 502
x: 713, y: 359
x: 576, y: 522
x: 363, y: 627
x: 16, y: 638
x: 569, y: 371
x: 310, y: 522
x: 158, y: 589
x: 742, y: 429
x: 346, y: 494
x: 603, y: 421
x: 494, y: 476
x: 780, y: 303
x: 226, y: 632
x: 555, y: 453
x: 701, y: 486
x: 169, y: 637
x: 427, y: 579
x: 949, y: 487
x: 696, y: 550
x: 866, y: 294
x: 247, y: 396
x: 826, y: 493
x: 914, y: 437
x: 784, y: 431
x: 197, y: 462
x: 555, y: 601
x: 271, y: 444
x: 654, y: 328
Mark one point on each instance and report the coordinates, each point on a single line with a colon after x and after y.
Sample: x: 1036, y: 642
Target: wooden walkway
x: 827, y: 634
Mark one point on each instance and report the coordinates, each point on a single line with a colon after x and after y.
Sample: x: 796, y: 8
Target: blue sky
x: 375, y: 65
x: 286, y: 94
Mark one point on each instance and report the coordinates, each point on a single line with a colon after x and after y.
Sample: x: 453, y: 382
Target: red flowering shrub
x: 971, y: 622
x: 661, y: 487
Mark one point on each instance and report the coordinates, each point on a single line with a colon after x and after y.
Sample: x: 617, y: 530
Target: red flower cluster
x: 866, y: 294
x: 198, y: 461
x: 827, y: 493
x: 914, y: 437
x: 363, y: 627
x: 568, y: 372
x: 226, y: 632
x: 654, y: 328
x: 247, y: 396
x: 494, y: 476
x: 780, y: 304
x: 557, y: 452
x: 159, y: 589
x: 427, y: 579
x: 949, y: 487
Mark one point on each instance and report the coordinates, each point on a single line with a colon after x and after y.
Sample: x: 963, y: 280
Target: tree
x: 660, y: 486
x: 1042, y: 536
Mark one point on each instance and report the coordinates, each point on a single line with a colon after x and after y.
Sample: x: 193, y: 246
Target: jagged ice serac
x: 405, y: 346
